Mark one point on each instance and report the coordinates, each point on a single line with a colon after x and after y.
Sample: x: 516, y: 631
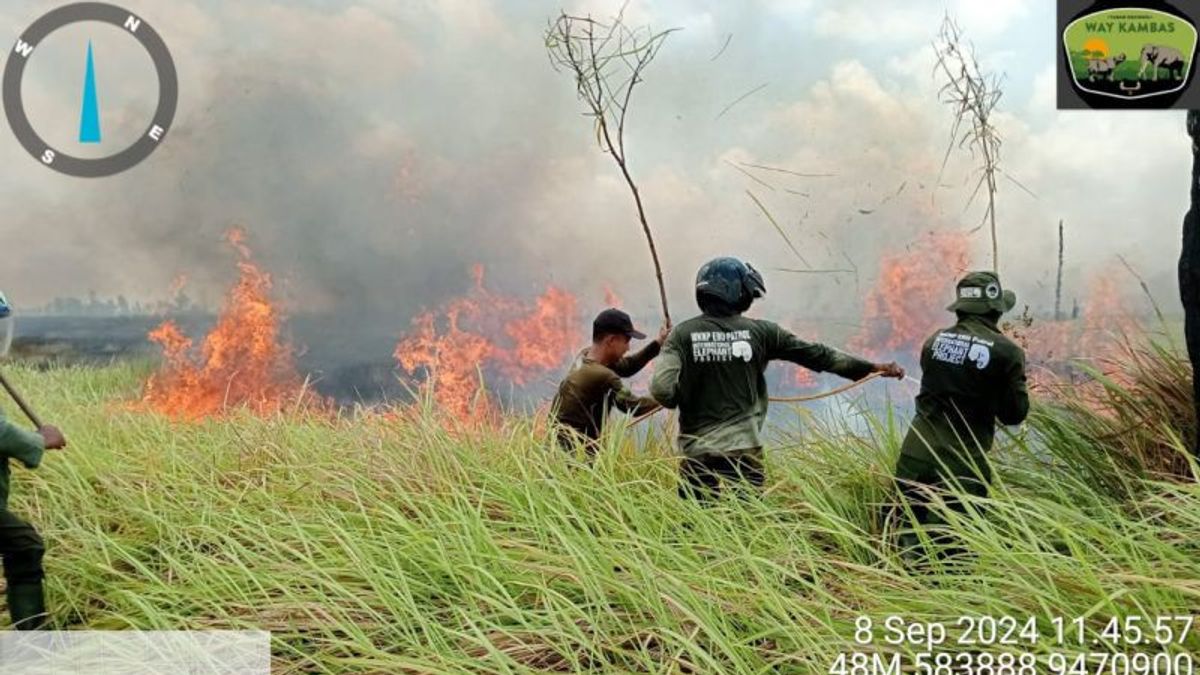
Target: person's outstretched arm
x: 782, y: 345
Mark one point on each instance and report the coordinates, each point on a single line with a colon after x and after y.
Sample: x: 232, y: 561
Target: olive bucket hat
x: 981, y: 293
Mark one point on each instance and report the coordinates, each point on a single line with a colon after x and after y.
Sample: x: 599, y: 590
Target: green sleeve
x: 1014, y: 400
x: 782, y: 345
x: 630, y: 365
x: 626, y: 401
x: 664, y: 387
x: 24, y: 446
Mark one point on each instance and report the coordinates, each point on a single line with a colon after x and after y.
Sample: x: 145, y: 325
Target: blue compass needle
x: 89, y: 123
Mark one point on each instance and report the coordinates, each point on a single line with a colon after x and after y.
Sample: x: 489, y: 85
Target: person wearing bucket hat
x: 980, y: 293
x: 973, y: 376
x: 21, y: 547
x: 712, y: 370
x: 593, y: 384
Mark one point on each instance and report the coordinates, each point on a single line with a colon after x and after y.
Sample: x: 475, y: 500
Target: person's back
x: 722, y: 387
x: 712, y: 369
x: 973, y: 376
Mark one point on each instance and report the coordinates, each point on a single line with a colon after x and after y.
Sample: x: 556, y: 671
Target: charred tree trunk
x: 1058, y: 315
x: 1189, y: 269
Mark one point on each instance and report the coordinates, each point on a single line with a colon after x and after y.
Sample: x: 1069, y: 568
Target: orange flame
x: 611, y: 299
x: 908, y: 300
x: 1108, y: 316
x: 542, y: 338
x: 452, y: 360
x: 242, y: 361
x: 177, y: 285
x: 484, y: 330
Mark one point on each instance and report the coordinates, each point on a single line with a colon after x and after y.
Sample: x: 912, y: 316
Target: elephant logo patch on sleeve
x: 980, y: 355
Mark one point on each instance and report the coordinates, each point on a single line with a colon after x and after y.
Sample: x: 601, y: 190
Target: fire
x: 797, y: 376
x: 452, y: 360
x: 611, y: 299
x: 454, y: 345
x: 177, y: 285
x: 909, y: 298
x: 1108, y: 317
x: 243, y: 361
x: 907, y: 305
x: 543, y: 337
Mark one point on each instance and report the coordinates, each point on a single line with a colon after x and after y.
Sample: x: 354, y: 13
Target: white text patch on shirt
x: 721, y: 346
x: 956, y: 349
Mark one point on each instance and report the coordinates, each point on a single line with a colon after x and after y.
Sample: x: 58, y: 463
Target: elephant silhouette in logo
x: 980, y: 355
x: 743, y: 350
x: 1104, y: 68
x: 1158, y: 56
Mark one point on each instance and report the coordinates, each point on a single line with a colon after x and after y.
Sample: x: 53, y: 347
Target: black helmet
x: 729, y: 281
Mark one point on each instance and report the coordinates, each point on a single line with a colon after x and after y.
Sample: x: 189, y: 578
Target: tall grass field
x: 382, y: 543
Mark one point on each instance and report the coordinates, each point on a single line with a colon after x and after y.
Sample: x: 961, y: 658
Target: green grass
x: 381, y: 546
x: 1126, y: 70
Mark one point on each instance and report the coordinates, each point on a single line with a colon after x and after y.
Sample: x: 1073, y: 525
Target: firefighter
x: 593, y: 385
x: 972, y: 377
x: 712, y: 369
x: 21, y: 546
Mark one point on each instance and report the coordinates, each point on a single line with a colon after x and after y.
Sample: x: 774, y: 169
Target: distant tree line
x: 94, y: 305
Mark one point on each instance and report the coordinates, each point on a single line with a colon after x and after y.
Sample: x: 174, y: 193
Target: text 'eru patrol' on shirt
x: 713, y: 370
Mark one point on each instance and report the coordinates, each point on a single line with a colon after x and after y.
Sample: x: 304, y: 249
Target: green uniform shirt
x: 21, y: 445
x: 591, y: 389
x: 712, y: 369
x: 972, y: 376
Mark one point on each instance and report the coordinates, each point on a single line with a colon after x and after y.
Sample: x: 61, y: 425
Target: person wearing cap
x: 593, y: 385
x: 713, y: 370
x: 973, y: 376
x: 21, y: 547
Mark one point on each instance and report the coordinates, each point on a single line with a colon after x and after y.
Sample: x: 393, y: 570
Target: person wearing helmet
x: 21, y: 546
x: 712, y: 369
x: 593, y: 385
x: 973, y: 376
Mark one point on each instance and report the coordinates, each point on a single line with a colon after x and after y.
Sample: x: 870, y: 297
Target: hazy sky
x: 374, y: 150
